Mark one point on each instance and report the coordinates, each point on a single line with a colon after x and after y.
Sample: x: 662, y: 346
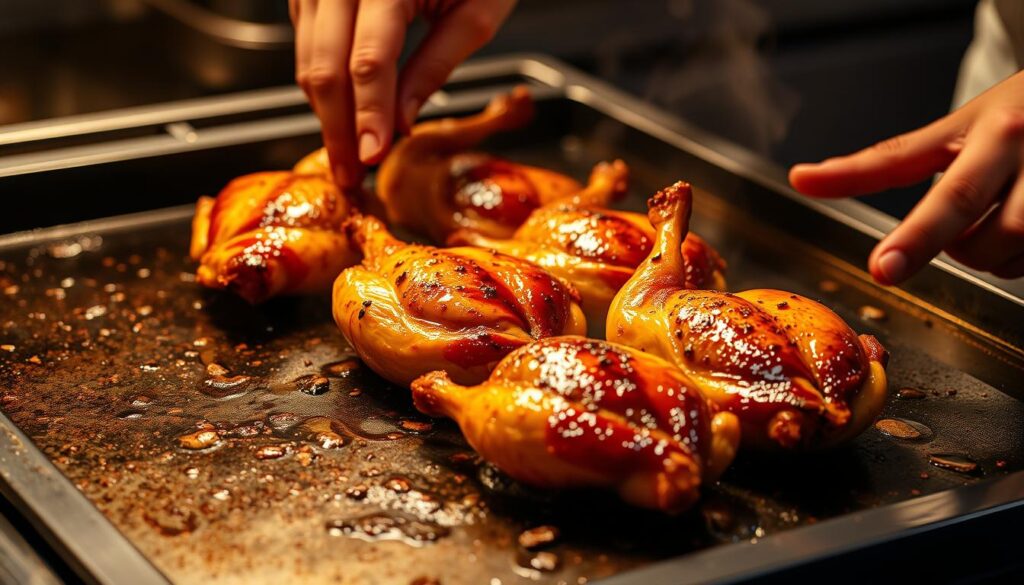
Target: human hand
x: 346, y: 60
x: 975, y: 212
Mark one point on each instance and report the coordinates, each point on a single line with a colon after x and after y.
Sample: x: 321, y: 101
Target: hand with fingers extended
x: 975, y: 211
x: 346, y: 60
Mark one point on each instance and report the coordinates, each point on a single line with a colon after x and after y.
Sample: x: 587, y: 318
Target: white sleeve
x: 989, y: 59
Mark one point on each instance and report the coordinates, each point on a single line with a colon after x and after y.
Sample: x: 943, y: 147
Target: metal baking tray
x: 107, y: 338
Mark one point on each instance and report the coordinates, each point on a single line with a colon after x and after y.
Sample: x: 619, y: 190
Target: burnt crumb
x: 367, y: 303
x: 401, y: 278
x: 362, y: 313
x: 460, y: 269
x: 679, y: 334
x: 656, y: 257
x: 782, y: 305
x: 489, y: 291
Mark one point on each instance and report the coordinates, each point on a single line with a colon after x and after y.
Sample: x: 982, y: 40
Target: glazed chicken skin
x: 431, y: 184
x: 571, y: 412
x: 595, y: 248
x: 272, y: 233
x: 793, y: 371
x: 411, y: 309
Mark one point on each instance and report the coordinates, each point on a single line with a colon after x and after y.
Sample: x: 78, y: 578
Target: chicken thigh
x: 569, y: 412
x: 411, y: 309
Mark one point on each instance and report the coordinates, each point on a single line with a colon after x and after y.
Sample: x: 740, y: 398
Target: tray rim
x: 112, y: 558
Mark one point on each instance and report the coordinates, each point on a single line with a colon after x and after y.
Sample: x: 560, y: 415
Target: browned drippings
x: 202, y: 439
x: 416, y: 426
x: 357, y: 492
x: 271, y: 452
x: 215, y: 369
x: 872, y: 313
x: 910, y: 394
x: 312, y: 384
x: 953, y: 462
x: 221, y: 387
x: 538, y: 537
x: 341, y: 369
x: 384, y: 526
x: 398, y: 485
x: 902, y: 428
x: 323, y: 431
x: 543, y: 561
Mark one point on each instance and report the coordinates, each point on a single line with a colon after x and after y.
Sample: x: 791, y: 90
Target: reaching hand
x: 975, y: 211
x: 346, y: 60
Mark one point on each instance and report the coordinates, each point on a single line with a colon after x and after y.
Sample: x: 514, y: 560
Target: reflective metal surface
x: 215, y: 478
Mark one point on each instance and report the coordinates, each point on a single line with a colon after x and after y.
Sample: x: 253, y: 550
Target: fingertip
x: 799, y: 173
x: 370, y: 147
x: 889, y: 266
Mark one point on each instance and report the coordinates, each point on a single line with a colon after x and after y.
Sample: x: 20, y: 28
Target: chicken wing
x: 793, y: 371
x: 570, y: 412
x: 411, y: 309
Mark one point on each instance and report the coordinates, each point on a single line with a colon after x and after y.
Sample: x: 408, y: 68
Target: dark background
x: 795, y: 80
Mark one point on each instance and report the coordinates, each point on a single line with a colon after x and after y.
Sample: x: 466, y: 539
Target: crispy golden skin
x: 411, y: 309
x: 594, y: 248
x: 794, y: 373
x: 569, y: 412
x: 432, y: 185
x: 272, y: 233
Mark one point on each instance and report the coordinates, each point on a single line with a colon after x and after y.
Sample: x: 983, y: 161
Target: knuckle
x: 366, y: 67
x: 320, y: 78
x: 964, y: 197
x: 1009, y: 123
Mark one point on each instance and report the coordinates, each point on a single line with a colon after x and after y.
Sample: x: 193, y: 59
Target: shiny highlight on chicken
x: 792, y: 370
x: 272, y: 233
x: 595, y: 248
x: 571, y: 412
x: 432, y: 184
x: 409, y: 309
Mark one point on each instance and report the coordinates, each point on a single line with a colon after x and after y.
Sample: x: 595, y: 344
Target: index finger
x: 331, y: 88
x: 899, y: 161
x: 379, y: 35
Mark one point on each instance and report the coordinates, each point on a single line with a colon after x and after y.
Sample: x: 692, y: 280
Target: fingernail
x: 369, y: 146
x: 410, y: 110
x: 893, y: 266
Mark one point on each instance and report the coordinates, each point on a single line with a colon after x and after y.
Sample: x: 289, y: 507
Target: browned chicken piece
x: 570, y: 412
x: 792, y: 370
x: 273, y: 233
x: 314, y: 163
x: 597, y: 249
x: 432, y: 185
x: 411, y: 309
